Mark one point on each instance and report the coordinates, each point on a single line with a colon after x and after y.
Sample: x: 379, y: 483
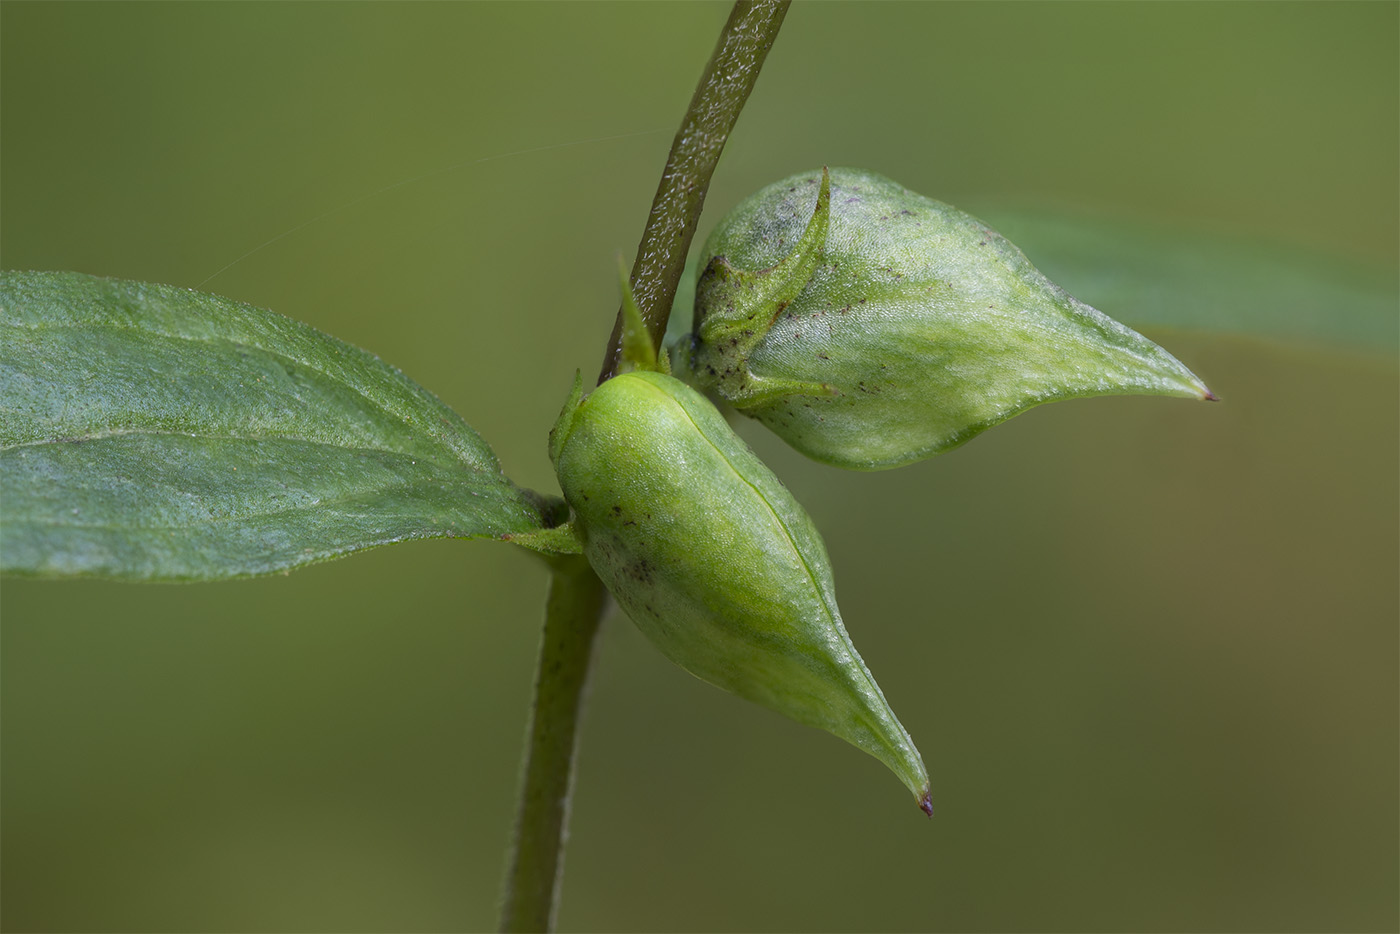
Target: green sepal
x: 564, y: 423
x: 742, y: 307
x: 638, y: 352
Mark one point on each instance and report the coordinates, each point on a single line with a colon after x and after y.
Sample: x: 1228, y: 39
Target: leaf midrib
x: 129, y: 432
x: 320, y: 505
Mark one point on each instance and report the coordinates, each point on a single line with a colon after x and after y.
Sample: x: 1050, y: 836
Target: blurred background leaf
x: 1167, y: 278
x: 1181, y: 716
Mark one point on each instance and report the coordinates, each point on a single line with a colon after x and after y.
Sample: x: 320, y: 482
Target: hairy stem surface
x: 720, y: 95
x: 575, y: 607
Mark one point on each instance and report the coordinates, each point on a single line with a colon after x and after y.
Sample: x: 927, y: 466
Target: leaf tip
x: 926, y: 802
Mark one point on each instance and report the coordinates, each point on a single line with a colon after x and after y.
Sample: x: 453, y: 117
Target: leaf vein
x: 155, y: 432
x: 400, y: 380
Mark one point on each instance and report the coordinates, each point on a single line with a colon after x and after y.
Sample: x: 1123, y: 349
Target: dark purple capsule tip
x: 1210, y: 397
x: 926, y: 804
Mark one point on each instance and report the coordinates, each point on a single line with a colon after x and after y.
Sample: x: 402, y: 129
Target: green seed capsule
x: 871, y: 327
x: 715, y: 561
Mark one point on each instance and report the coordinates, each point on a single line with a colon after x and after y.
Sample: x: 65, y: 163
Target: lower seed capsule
x: 715, y: 561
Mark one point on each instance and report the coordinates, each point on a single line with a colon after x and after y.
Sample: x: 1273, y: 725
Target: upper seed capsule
x: 715, y: 561
x: 871, y: 327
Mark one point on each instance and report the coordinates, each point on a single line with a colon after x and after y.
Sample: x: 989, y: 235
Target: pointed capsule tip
x: 926, y: 803
x: 1210, y: 397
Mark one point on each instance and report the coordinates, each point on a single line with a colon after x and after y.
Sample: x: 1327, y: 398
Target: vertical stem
x: 576, y: 596
x: 720, y: 95
x: 575, y: 606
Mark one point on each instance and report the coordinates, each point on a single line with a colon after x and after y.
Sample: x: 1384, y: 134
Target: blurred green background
x: 1148, y: 648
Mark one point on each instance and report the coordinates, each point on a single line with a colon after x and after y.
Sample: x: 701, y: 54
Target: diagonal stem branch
x: 723, y: 89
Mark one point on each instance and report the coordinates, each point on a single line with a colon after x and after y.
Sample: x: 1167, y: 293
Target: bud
x: 871, y: 327
x: 715, y: 561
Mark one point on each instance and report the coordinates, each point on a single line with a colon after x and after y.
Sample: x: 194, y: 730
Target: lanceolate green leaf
x: 1152, y: 277
x: 151, y: 432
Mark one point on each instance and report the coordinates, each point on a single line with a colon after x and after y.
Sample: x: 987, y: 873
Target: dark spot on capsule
x: 907, y: 213
x: 617, y: 510
x: 822, y: 356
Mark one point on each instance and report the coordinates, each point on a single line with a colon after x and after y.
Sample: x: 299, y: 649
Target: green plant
x: 556, y: 392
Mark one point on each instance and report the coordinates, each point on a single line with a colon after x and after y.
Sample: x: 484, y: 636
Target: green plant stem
x: 575, y: 607
x: 675, y: 211
x: 577, y: 598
